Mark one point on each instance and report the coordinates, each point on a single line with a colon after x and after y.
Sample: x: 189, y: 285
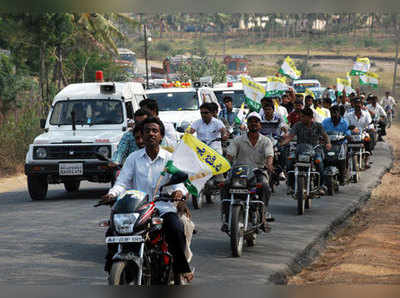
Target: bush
x: 16, y: 133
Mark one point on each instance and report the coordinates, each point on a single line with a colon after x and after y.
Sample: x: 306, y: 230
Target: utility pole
x: 396, y: 62
x: 145, y: 56
x: 308, y: 54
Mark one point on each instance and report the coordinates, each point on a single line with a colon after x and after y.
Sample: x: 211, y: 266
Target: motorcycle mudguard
x: 130, y: 256
x: 331, y: 171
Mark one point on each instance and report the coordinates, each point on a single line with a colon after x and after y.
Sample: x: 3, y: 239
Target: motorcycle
x: 142, y: 257
x: 274, y: 178
x: 244, y: 210
x: 306, y: 176
x: 357, y: 155
x: 335, y: 159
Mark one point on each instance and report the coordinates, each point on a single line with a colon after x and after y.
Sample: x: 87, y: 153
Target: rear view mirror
x: 180, y: 129
x: 42, y: 123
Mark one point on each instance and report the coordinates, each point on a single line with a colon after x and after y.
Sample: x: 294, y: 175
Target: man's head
x: 317, y: 103
x: 268, y: 107
x: 298, y: 105
x: 138, y: 134
x: 254, y: 122
x: 335, y: 113
x: 387, y: 93
x: 357, y: 104
x: 153, y: 131
x: 141, y: 115
x: 373, y: 99
x: 300, y: 97
x: 213, y: 109
x: 205, y: 112
x: 150, y: 105
x: 285, y: 98
x: 327, y: 102
x: 308, y: 101
x: 307, y: 116
x: 228, y: 103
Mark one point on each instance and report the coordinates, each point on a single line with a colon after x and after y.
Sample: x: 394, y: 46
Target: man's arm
x: 122, y: 150
x: 326, y: 138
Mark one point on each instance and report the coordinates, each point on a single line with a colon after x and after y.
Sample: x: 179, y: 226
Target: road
x: 57, y: 241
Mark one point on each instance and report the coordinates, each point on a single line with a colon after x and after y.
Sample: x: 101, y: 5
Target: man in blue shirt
x: 337, y: 124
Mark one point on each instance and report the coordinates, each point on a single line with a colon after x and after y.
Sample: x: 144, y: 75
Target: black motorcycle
x: 142, y: 256
x: 244, y: 209
x: 335, y: 162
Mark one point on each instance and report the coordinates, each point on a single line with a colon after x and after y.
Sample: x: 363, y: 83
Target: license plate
x: 245, y: 191
x: 70, y: 169
x: 124, y: 239
x: 356, y: 145
x: 302, y: 164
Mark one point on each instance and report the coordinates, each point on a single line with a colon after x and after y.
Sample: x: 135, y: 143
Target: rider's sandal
x: 188, y: 277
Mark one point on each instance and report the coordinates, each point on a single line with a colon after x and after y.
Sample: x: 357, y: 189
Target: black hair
x: 155, y: 120
x: 149, y: 104
x: 327, y: 100
x: 213, y: 107
x: 206, y: 106
x: 308, y: 97
x: 138, y: 127
x: 335, y: 108
x: 142, y: 112
x: 227, y: 98
x: 307, y: 112
x: 269, y: 104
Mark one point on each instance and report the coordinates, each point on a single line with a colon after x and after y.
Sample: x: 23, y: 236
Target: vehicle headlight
x: 304, y: 158
x: 103, y: 150
x: 331, y: 153
x: 124, y: 223
x: 41, y: 153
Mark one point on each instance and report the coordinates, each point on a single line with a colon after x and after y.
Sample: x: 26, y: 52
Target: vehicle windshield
x: 127, y: 57
x: 176, y: 101
x: 87, y: 111
x: 236, y: 95
x: 301, y: 88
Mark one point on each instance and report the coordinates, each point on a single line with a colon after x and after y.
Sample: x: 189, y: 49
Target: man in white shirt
x: 142, y: 171
x: 308, y: 103
x: 378, y: 115
x: 388, y: 101
x: 209, y: 129
x: 360, y: 120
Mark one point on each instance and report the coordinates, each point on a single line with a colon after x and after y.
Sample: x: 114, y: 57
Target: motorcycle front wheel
x: 329, y: 185
x: 121, y: 275
x: 237, y: 231
x: 300, y: 195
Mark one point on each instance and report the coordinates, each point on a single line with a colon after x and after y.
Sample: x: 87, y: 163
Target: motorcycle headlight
x: 41, y: 153
x: 103, y: 150
x: 331, y: 153
x: 124, y: 223
x: 304, y: 158
x: 237, y: 182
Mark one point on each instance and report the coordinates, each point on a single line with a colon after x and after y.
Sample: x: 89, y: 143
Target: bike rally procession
x: 231, y: 145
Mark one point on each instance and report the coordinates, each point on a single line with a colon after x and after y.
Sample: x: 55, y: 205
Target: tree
x: 198, y: 68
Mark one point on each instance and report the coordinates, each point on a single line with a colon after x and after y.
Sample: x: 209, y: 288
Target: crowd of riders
x: 254, y: 142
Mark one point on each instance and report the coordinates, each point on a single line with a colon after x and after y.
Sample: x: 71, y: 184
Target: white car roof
x: 92, y: 91
x: 169, y: 90
x: 305, y: 81
x: 224, y: 87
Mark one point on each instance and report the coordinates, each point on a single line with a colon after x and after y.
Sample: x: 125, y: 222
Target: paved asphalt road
x: 57, y: 241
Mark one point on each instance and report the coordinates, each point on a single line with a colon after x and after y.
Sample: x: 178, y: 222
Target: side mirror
x: 42, y: 123
x: 178, y: 177
x: 180, y: 129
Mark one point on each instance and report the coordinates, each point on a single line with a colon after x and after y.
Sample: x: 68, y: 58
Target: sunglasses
x: 204, y: 113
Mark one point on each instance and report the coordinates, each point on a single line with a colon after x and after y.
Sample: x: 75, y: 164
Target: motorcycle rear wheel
x: 356, y: 168
x: 237, y: 231
x: 330, y: 186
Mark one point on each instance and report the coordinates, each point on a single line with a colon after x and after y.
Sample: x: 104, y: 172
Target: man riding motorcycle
x: 378, y: 114
x: 360, y: 120
x: 308, y: 132
x: 142, y: 171
x: 227, y: 116
x: 337, y: 123
x: 256, y: 151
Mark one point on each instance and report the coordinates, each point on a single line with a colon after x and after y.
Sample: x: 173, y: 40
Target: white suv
x: 84, y: 119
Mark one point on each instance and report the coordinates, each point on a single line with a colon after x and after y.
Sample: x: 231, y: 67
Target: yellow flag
x: 309, y: 92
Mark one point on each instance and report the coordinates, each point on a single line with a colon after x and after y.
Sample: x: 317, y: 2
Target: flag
x: 360, y: 66
x: 275, y: 86
x: 198, y: 160
x: 253, y: 93
x: 370, y: 79
x: 241, y: 115
x: 309, y: 92
x: 344, y: 85
x: 289, y: 69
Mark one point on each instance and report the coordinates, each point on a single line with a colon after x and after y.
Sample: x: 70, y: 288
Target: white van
x: 84, y: 119
x: 181, y: 106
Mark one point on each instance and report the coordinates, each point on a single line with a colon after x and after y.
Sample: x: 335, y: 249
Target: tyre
x: 118, y: 275
x: 37, y: 187
x: 197, y: 201
x: 207, y: 198
x: 72, y: 186
x: 237, y: 231
x: 356, y: 168
x: 330, y: 185
x: 300, y: 195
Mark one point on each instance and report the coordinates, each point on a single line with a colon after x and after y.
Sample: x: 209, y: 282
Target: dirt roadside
x: 367, y: 251
x: 13, y: 183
